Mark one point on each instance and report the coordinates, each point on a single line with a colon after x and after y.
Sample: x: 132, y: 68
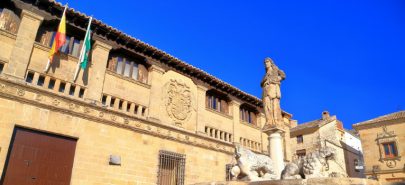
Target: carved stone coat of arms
x: 178, y: 101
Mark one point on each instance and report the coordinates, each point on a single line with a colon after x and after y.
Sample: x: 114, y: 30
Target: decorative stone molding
x: 20, y: 92
x: 8, y: 34
x: 101, y: 45
x: 157, y: 69
x: 178, y: 101
x: 31, y: 15
x: 102, y: 115
x: 385, y: 137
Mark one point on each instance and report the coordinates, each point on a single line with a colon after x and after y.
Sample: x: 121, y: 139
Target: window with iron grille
x: 228, y: 168
x: 171, y: 168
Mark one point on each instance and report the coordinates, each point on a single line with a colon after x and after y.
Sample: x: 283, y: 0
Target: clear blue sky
x: 347, y: 57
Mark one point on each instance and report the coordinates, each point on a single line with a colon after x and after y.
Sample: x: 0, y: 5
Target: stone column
x: 99, y: 58
x: 201, y: 104
x: 236, y: 120
x: 276, y: 149
x: 155, y: 100
x: 21, y: 53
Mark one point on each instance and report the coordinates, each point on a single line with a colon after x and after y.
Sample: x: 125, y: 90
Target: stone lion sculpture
x: 251, y: 166
x: 315, y: 164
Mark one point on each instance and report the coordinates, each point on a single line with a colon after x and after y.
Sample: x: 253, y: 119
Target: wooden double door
x: 37, y: 158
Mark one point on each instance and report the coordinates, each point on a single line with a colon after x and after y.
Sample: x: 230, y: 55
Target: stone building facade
x: 383, y: 141
x: 327, y: 132
x: 137, y: 116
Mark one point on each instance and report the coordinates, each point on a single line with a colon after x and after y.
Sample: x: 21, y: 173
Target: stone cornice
x: 37, y: 97
x: 31, y: 15
x: 398, y: 170
x: 375, y: 125
x: 8, y: 34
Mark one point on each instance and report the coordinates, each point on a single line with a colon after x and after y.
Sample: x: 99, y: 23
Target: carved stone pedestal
x: 276, y: 149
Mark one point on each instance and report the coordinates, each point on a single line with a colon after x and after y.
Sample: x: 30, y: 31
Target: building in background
x: 328, y: 131
x: 137, y: 116
x: 383, y: 141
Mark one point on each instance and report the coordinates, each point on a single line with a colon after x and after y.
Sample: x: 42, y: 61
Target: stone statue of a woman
x: 271, y: 93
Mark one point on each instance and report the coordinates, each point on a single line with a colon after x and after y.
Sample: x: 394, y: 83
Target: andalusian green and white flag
x: 84, y: 53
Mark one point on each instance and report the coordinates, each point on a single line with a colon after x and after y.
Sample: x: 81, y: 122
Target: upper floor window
x: 248, y: 114
x: 300, y: 139
x: 128, y: 67
x: 390, y: 150
x: 217, y: 101
x: 73, y: 44
x: 9, y: 20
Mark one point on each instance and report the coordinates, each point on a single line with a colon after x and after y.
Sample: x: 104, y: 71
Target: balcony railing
x: 53, y: 84
x: 218, y: 134
x: 125, y: 106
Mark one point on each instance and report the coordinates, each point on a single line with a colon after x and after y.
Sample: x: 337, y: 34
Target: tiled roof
x: 392, y: 116
x: 310, y: 124
x: 165, y: 57
x: 313, y: 124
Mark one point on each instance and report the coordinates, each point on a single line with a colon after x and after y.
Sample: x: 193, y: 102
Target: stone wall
x: 384, y: 170
x: 96, y: 141
x: 142, y: 119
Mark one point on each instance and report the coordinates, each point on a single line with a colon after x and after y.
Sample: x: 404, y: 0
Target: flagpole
x: 49, y: 61
x: 82, y: 51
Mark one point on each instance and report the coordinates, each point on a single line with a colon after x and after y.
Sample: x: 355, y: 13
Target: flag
x: 84, y: 53
x: 59, y: 40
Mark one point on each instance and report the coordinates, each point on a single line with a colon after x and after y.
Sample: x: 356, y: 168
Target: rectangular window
x: 30, y: 77
x: 120, y: 104
x: 62, y: 87
x: 112, y: 102
x: 300, y: 139
x: 128, y: 107
x: 136, y: 109
x: 171, y: 168
x: 72, y: 90
x: 81, y: 93
x: 104, y: 100
x: 390, y: 149
x: 135, y: 71
x: 41, y: 80
x: 53, y: 34
x: 228, y: 168
x: 75, y: 48
x: 1, y: 67
x: 127, y: 70
x: 51, y: 84
x: 120, y: 65
x: 143, y: 111
x: 65, y: 47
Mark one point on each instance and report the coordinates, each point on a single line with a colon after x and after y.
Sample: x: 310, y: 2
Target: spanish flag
x: 59, y: 40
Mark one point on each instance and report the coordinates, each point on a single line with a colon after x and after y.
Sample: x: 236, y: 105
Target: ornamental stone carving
x: 271, y: 93
x: 20, y: 92
x: 387, y: 137
x: 178, y: 101
x: 126, y: 121
x: 55, y: 102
